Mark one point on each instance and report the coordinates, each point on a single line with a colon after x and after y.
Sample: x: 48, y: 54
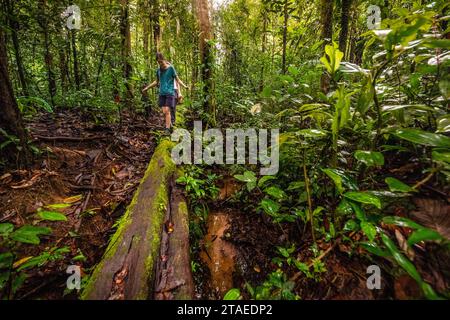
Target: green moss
x: 160, y: 169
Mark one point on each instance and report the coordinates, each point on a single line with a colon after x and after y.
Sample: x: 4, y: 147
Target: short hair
x: 159, y: 56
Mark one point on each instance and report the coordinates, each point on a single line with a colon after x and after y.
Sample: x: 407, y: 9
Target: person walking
x: 166, y: 77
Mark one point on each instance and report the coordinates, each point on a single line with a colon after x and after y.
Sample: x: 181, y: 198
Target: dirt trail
x: 219, y: 254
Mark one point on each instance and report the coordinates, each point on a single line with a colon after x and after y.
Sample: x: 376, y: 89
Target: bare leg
x: 166, y: 112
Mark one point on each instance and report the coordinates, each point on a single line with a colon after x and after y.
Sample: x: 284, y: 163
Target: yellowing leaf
x: 73, y: 199
x: 21, y: 261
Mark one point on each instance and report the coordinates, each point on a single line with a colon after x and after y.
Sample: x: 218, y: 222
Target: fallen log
x: 173, y: 273
x: 128, y: 267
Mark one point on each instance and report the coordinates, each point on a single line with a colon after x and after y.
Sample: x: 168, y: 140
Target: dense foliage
x: 363, y: 114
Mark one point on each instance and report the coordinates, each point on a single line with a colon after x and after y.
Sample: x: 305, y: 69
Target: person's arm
x: 151, y: 85
x: 181, y: 83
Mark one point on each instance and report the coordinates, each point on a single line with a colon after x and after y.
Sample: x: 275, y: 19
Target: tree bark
x: 202, y: 12
x: 48, y: 56
x: 76, y: 69
x: 154, y: 17
x: 10, y: 118
x: 263, y: 48
x: 327, y: 20
x: 14, y: 25
x: 327, y: 36
x: 345, y: 14
x: 126, y: 51
x: 285, y: 23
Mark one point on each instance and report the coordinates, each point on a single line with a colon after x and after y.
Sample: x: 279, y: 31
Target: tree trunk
x: 345, y: 14
x: 285, y: 23
x: 146, y: 30
x: 154, y: 17
x: 100, y: 65
x: 263, y: 49
x: 48, y: 56
x: 76, y: 69
x: 14, y: 25
x: 326, y: 18
x: 63, y: 69
x: 202, y: 12
x: 10, y: 118
x: 126, y: 51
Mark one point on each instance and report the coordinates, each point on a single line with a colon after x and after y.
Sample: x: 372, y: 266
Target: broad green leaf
x: 423, y: 137
x: 340, y: 178
x: 437, y: 43
x: 293, y: 71
x: 313, y: 133
x: 18, y: 281
x: 337, y: 178
x: 344, y: 208
x: 39, y: 261
x: 37, y: 101
x: 398, y: 186
x: 233, y: 294
x: 423, y: 235
x: 369, y: 230
x: 264, y: 179
x: 248, y: 177
x: 275, y: 192
x: 441, y: 155
x: 375, y: 249
x: 296, y: 185
x: 6, y: 260
x: 359, y: 212
x: 365, y: 98
x: 391, y: 108
x: 30, y: 234
x: 51, y: 216
x: 332, y: 58
x: 270, y: 207
x: 267, y: 92
x: 429, y: 292
x: 350, y: 225
x: 443, y: 124
x: 370, y: 158
x: 363, y: 197
x: 401, y: 222
x: 403, y: 261
x: 285, y: 252
x: 6, y: 228
x: 4, y: 277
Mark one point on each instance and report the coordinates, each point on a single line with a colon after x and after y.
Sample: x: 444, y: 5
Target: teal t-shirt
x: 166, y: 81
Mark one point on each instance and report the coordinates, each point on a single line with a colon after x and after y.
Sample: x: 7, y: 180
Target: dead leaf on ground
x: 25, y: 184
x: 433, y: 214
x: 404, y: 245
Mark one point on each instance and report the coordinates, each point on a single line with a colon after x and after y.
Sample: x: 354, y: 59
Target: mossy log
x: 128, y: 267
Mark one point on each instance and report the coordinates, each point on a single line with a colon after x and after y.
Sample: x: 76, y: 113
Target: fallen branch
x: 64, y: 138
x: 298, y: 274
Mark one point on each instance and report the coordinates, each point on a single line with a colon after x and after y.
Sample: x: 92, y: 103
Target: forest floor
x: 94, y: 169
x: 240, y: 248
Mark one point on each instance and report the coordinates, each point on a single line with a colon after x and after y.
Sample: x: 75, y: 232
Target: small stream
x: 218, y: 254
